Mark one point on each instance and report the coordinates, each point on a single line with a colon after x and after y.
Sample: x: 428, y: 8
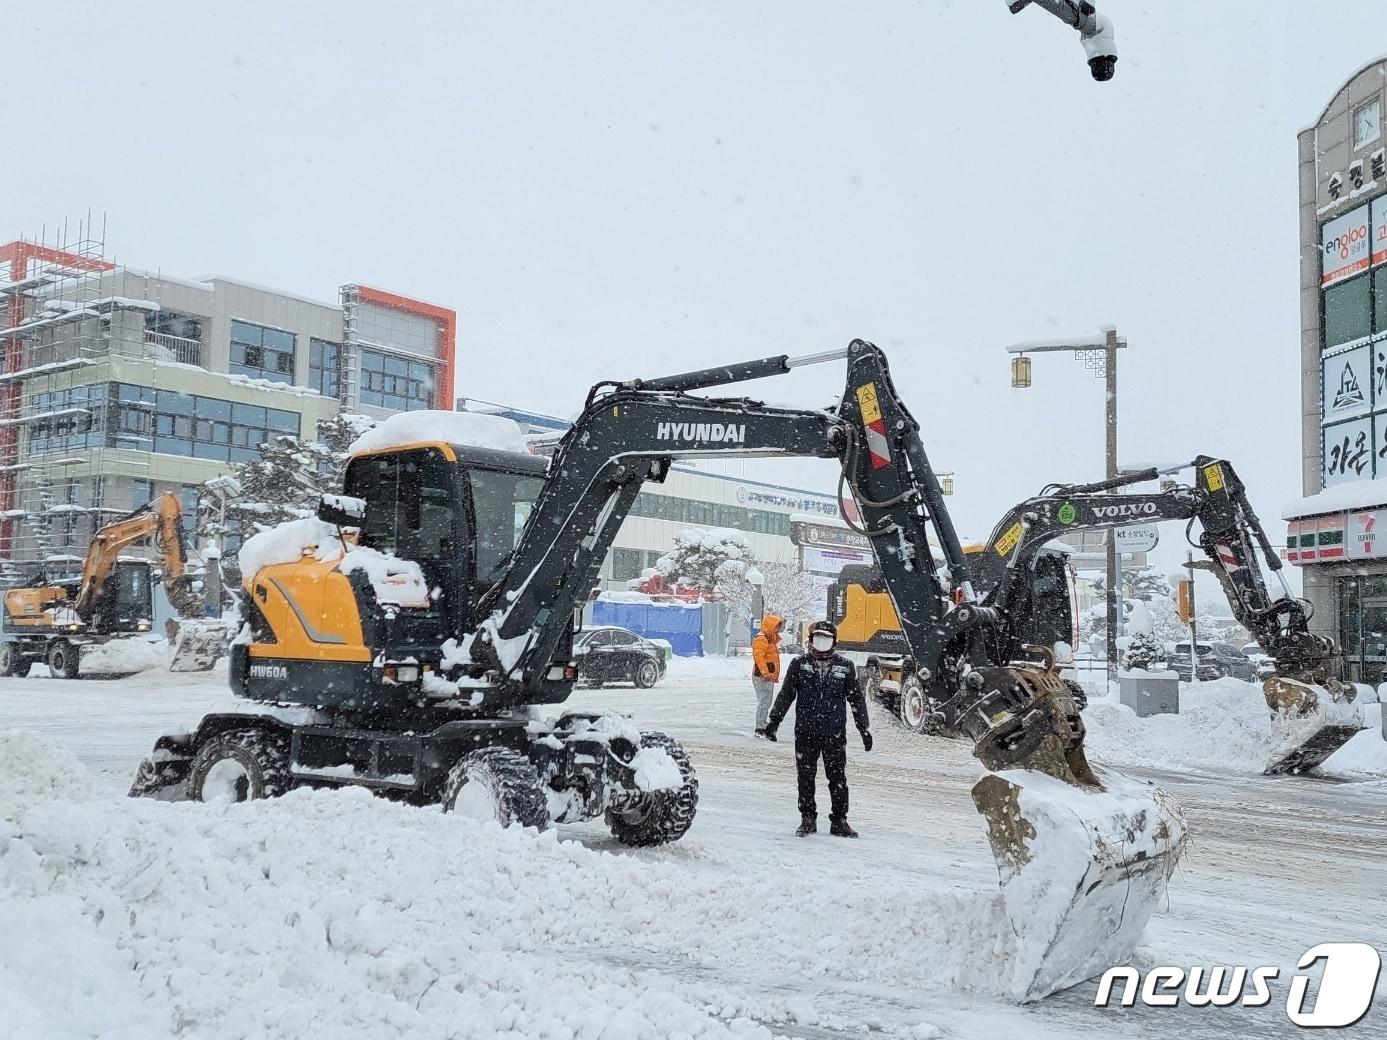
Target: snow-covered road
x: 339, y: 915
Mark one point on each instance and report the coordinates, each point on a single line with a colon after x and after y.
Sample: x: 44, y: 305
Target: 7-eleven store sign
x: 1328, y: 539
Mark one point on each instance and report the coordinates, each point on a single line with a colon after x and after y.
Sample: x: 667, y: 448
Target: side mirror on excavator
x: 341, y: 510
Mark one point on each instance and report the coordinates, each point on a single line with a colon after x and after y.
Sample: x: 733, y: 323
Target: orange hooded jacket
x: 765, y: 649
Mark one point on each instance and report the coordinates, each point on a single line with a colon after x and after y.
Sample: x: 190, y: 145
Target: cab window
x: 501, y: 503
x: 409, y: 506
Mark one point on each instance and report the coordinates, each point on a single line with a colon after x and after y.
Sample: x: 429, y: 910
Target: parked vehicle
x: 611, y: 655
x: 1261, y: 660
x: 1216, y: 660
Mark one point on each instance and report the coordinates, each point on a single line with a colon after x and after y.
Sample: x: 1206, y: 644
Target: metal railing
x: 175, y: 348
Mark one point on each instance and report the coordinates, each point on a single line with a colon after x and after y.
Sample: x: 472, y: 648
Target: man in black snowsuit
x: 821, y: 685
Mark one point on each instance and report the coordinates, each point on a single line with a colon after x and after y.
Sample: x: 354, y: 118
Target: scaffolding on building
x: 65, y: 307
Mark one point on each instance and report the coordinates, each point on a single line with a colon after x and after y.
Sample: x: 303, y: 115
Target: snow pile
x: 335, y: 914
x: 125, y: 657
x: 33, y: 769
x: 394, y: 580
x: 471, y: 428
x: 287, y: 542
x: 1224, y: 725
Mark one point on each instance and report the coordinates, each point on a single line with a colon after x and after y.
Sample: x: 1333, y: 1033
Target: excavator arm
x: 161, y: 519
x: 1236, y: 549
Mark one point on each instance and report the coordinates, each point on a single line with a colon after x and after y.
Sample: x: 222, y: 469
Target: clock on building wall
x: 1367, y: 123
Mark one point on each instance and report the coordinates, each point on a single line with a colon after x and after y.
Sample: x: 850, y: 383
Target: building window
x: 67, y: 420
x: 626, y: 564
x: 711, y: 514
x: 262, y: 353
x: 173, y: 423
x: 388, y: 381
x: 1380, y: 300
x: 1348, y: 311
x: 323, y: 361
x: 1367, y: 123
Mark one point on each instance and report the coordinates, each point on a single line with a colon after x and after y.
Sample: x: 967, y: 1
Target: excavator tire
x: 10, y: 659
x: 63, y: 659
x: 240, y: 765
x: 914, y: 709
x: 663, y: 816
x: 496, y: 783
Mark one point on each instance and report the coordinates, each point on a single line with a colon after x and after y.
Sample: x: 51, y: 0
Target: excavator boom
x: 1312, y: 710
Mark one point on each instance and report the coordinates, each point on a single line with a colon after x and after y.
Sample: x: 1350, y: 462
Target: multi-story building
x: 1334, y: 530
x: 118, y: 384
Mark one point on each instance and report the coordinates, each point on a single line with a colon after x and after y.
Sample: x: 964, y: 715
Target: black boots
x: 840, y: 829
x: 807, y: 825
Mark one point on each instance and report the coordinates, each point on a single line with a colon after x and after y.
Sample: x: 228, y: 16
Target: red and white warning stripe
x: 877, y: 447
x: 1226, y: 557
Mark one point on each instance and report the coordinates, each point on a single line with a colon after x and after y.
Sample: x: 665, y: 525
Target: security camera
x: 1100, y: 45
x: 1095, y: 31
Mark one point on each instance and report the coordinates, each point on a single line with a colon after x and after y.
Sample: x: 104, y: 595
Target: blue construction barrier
x: 680, y: 626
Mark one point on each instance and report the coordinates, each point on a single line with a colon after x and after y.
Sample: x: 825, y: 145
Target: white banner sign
x: 831, y: 561
x: 1348, y: 451
x: 1346, y: 380
x: 1345, y: 241
x: 1135, y: 539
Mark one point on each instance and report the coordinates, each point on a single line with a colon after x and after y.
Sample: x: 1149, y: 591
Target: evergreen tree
x: 283, y: 483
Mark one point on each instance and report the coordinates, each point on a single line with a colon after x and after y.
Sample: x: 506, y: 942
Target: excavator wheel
x: 496, y: 783
x: 11, y: 661
x: 240, y: 765
x: 63, y: 658
x: 914, y: 706
x: 662, y: 816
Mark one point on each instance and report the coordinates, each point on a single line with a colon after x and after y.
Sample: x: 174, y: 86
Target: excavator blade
x: 1310, y: 721
x: 1082, y: 870
x: 200, y: 642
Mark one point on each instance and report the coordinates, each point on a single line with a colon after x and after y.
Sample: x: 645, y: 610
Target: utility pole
x: 1099, y: 355
x: 1194, y: 632
x: 1114, y: 577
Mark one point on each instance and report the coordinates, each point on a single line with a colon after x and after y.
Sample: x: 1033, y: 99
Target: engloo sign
x: 1346, y: 246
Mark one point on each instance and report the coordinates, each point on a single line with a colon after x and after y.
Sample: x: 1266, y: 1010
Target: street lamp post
x: 1099, y: 355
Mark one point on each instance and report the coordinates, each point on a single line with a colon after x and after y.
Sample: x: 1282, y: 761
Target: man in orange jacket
x: 765, y: 668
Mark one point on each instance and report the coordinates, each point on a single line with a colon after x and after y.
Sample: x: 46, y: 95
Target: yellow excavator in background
x: 59, y: 611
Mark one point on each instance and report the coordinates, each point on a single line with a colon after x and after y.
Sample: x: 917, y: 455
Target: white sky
x: 606, y: 190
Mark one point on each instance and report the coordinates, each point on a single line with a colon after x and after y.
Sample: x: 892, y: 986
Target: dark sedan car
x: 1216, y: 660
x: 613, y: 655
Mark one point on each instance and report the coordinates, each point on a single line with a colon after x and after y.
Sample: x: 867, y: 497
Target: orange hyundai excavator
x: 59, y: 610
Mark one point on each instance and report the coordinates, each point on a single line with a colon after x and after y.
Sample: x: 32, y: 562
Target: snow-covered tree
x: 1143, y: 583
x: 1144, y: 653
x: 785, y: 590
x: 697, y: 555
x: 283, y: 483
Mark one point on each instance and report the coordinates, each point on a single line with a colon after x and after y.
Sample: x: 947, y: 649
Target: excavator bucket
x: 1310, y: 721
x: 1084, y: 853
x: 198, y: 644
x: 1082, y: 870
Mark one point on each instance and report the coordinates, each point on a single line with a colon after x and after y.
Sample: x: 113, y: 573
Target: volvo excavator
x: 55, y: 615
x: 405, y: 639
x: 1020, y: 574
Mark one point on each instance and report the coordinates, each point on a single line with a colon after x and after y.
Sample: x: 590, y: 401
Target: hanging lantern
x: 1020, y: 371
x: 946, y: 484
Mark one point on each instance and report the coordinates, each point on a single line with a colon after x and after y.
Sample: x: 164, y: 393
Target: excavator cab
x: 126, y: 603
x: 456, y: 511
